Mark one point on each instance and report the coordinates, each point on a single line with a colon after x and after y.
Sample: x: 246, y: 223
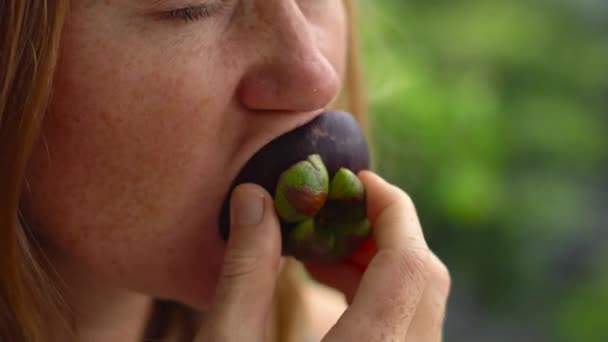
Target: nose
x: 290, y: 73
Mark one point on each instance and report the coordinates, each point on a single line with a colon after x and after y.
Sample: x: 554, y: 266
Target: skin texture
x: 151, y: 119
x: 398, y: 295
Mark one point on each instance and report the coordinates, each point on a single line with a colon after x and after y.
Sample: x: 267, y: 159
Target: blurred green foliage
x: 492, y: 115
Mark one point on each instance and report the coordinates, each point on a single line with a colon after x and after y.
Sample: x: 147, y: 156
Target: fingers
x: 427, y: 325
x: 393, y: 284
x: 392, y: 214
x: 245, y: 289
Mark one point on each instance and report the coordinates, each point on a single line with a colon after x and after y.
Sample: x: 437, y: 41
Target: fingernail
x: 247, y: 206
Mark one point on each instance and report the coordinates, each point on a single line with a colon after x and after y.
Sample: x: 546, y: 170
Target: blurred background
x: 493, y: 115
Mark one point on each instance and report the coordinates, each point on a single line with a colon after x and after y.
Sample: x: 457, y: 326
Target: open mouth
x: 333, y: 136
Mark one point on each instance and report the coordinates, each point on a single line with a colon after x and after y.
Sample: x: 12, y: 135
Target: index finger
x: 394, y: 281
x: 392, y: 211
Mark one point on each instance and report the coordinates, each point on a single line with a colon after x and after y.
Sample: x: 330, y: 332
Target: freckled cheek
x: 123, y: 174
x: 180, y: 269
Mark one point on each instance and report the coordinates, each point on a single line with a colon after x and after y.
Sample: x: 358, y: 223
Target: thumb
x: 251, y: 265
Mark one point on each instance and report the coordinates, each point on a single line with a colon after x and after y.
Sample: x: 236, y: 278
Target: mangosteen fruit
x: 311, y: 173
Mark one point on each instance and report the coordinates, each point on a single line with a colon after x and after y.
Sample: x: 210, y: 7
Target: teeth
x: 329, y: 218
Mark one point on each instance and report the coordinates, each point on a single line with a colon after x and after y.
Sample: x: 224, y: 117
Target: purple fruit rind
x: 335, y: 136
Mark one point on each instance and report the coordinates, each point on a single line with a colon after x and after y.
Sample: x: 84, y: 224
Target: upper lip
x: 301, y: 120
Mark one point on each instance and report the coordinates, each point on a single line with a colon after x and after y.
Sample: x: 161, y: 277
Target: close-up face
x: 156, y: 107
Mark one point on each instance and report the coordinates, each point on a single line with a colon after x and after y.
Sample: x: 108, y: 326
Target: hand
x: 400, y: 296
x: 397, y: 293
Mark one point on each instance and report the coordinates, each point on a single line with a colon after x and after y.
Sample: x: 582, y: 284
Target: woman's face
x: 156, y: 108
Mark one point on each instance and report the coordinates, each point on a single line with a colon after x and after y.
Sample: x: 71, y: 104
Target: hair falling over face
x: 31, y: 308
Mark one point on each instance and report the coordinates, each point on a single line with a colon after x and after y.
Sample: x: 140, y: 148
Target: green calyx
x: 302, y: 190
x: 345, y: 186
x: 328, y: 217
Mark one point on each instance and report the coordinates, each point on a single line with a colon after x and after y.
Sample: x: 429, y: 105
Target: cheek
x: 130, y: 173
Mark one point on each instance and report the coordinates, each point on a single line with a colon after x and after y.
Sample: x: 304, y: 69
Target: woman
x: 123, y: 123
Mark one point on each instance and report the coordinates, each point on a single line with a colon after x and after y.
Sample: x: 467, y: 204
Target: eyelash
x: 194, y: 13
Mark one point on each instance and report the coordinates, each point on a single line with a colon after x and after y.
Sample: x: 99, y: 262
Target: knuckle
x: 239, y: 265
x: 404, y: 288
x: 411, y: 266
x: 441, y: 276
x: 414, y: 262
x: 406, y: 200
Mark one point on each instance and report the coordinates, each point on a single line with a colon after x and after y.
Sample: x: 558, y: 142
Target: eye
x: 194, y: 13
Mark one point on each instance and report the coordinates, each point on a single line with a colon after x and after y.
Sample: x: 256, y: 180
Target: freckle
x: 108, y: 236
x: 88, y: 4
x: 170, y: 271
x: 105, y: 117
x: 117, y: 267
x: 70, y: 242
